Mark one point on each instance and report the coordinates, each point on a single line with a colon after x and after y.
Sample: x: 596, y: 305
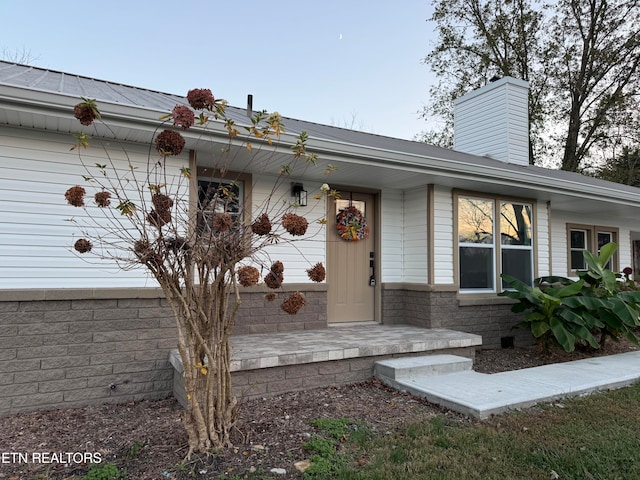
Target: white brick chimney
x: 494, y: 121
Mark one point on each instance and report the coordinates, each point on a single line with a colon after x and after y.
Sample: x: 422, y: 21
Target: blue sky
x: 337, y: 62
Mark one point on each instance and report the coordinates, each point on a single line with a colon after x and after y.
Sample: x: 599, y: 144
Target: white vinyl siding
x: 416, y: 262
x: 541, y: 219
x: 443, y: 236
x: 296, y: 253
x: 36, y: 236
x: 493, y: 121
x: 392, y: 245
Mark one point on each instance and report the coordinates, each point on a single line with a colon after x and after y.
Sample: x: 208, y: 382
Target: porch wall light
x: 299, y: 193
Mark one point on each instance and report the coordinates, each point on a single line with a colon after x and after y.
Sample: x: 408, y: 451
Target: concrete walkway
x: 448, y: 380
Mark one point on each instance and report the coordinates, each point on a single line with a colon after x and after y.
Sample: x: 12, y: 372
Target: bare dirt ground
x: 146, y: 439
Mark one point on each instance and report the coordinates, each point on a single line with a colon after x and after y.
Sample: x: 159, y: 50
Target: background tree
x: 580, y: 57
x: 199, y: 250
x: 624, y: 168
x: 479, y: 40
x: 22, y: 56
x: 596, y: 47
x: 621, y: 151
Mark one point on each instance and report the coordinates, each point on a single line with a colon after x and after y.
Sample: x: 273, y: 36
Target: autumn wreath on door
x: 352, y: 225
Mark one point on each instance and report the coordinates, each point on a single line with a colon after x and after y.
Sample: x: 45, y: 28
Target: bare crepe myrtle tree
x: 200, y: 251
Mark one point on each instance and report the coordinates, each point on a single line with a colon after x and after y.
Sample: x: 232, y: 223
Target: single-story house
x: 443, y: 225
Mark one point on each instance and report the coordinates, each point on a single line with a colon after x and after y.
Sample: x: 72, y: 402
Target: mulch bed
x: 146, y: 439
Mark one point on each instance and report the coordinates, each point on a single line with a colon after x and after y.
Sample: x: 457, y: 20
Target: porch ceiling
x: 527, y: 182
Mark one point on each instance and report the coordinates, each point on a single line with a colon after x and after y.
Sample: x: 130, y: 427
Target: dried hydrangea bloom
x: 159, y: 219
x: 169, y: 142
x: 83, y: 245
x: 75, y: 196
x: 183, y: 116
x: 293, y: 303
x: 102, y: 199
x: 273, y: 280
x: 248, y: 276
x: 200, y: 98
x: 222, y: 222
x: 161, y: 202
x: 176, y: 244
x: 141, y: 246
x: 85, y: 112
x: 277, y: 268
x: 270, y: 297
x: 262, y: 225
x: 294, y: 224
x: 317, y: 273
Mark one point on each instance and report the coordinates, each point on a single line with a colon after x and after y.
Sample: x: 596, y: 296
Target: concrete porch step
x: 411, y: 367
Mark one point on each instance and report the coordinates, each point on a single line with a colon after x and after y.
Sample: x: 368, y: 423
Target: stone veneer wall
x: 257, y: 315
x: 423, y: 306
x: 65, y: 348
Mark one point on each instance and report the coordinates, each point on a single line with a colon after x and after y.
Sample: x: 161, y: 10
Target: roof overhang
x: 358, y: 164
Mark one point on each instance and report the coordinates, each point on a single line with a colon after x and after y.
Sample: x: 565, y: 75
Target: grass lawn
x: 593, y: 437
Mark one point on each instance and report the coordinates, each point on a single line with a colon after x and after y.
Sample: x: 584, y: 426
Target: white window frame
x: 497, y: 244
x: 586, y: 234
x: 478, y: 245
x: 592, y: 245
x: 507, y: 246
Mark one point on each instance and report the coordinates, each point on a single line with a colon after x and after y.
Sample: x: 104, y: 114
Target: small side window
x: 216, y: 197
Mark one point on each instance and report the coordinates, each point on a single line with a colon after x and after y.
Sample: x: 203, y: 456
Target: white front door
x: 350, y: 295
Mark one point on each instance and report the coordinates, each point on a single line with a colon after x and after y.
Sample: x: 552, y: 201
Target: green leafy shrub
x: 573, y: 312
x: 105, y: 471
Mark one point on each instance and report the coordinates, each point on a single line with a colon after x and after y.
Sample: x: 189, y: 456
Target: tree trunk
x: 204, y: 330
x: 570, y: 160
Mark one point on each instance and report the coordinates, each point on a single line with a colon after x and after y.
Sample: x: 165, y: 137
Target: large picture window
x: 591, y: 238
x: 494, y: 236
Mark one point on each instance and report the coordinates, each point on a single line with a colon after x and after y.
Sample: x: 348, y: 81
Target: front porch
x: 272, y: 363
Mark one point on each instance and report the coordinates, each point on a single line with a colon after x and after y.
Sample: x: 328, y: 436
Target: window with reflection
x: 494, y: 237
x: 475, y: 243
x: 516, y: 242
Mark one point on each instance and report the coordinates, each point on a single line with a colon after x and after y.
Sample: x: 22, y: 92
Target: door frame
x: 377, y: 243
